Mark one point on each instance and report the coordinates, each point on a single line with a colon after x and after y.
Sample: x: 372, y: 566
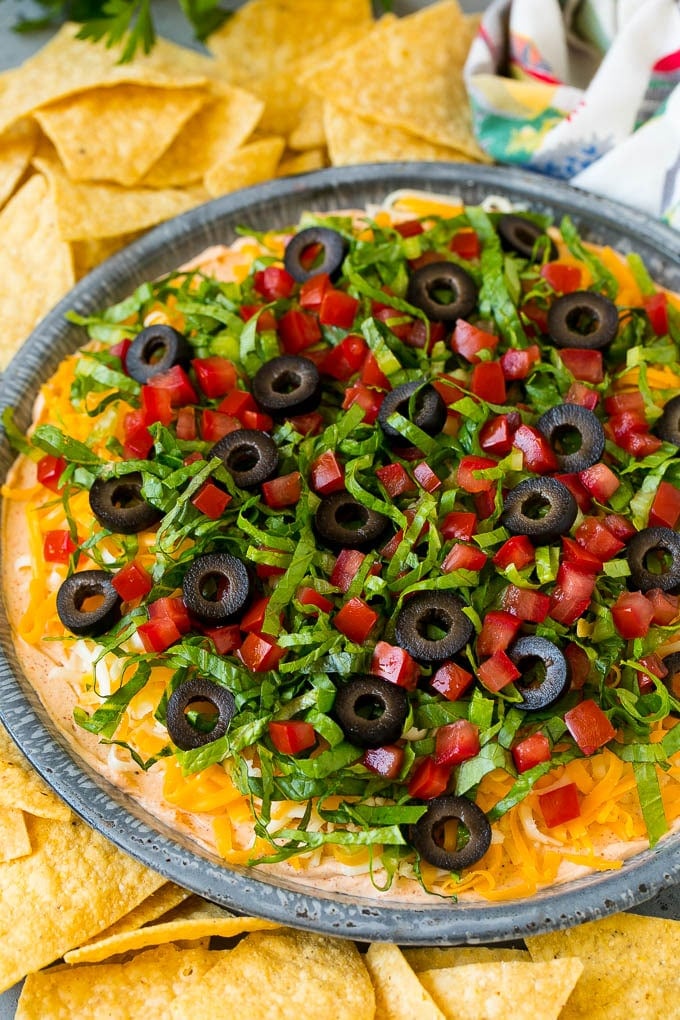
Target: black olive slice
x: 668, y: 425
x: 583, y: 319
x: 216, y: 588
x: 654, y: 560
x: 342, y: 522
x: 334, y: 248
x: 575, y: 434
x: 552, y: 677
x: 287, y: 385
x: 431, y: 626
x: 371, y: 712
x: 251, y: 457
x: 443, y: 290
x: 182, y: 733
x: 426, y: 836
x: 118, y: 504
x: 428, y: 409
x: 541, y: 508
x: 156, y: 349
x: 520, y: 234
x: 87, y: 603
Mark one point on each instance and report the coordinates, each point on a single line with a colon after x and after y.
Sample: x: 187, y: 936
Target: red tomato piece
x: 372, y: 374
x: 582, y: 395
x: 425, y: 334
x: 236, y: 402
x: 395, y: 664
x: 338, y: 308
x: 581, y: 557
x: 395, y: 479
x: 257, y: 420
x: 456, y: 742
x: 252, y: 620
x: 292, y: 736
x: 499, y: 630
x: 58, y: 546
x: 617, y: 403
x: 517, y: 550
x: 665, y: 509
x: 265, y: 317
x: 621, y: 424
x: 369, y: 400
x: 307, y: 596
x: 307, y: 424
x: 467, y: 476
x: 498, y: 671
x: 355, y: 620
x: 560, y: 805
x: 273, y: 283
x: 589, y: 726
x: 656, y: 306
x: 347, y: 564
x: 429, y: 779
x: 120, y: 350
x: 530, y: 606
x: 49, y: 470
x: 215, y: 425
x: 313, y: 290
x: 451, y: 680
x: 385, y: 761
x: 158, y: 634
x: 536, y: 315
x: 185, y: 426
x: 531, y: 751
x: 225, y: 639
x: 517, y: 363
x: 399, y: 323
x: 584, y: 500
x: 326, y: 474
x: 488, y: 382
x: 259, y: 653
x: 600, y: 481
x: 426, y: 478
x: 132, y: 581
x: 285, y: 490
x: 463, y: 557
x: 585, y: 365
x: 664, y: 606
x: 156, y: 405
x: 177, y: 383
x: 640, y: 444
x: 539, y: 456
x: 459, y: 524
x: 562, y: 277
x: 632, y: 614
x: 216, y: 376
x: 466, y: 244
x: 468, y: 340
x: 594, y: 536
x: 171, y: 607
x: 619, y: 526
x: 495, y: 435
x: 653, y: 664
x: 346, y: 358
x: 211, y: 500
x: 298, y: 330
x: 579, y: 665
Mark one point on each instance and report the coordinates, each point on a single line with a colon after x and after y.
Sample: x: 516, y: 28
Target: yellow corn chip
x: 630, y: 966
x: 309, y: 132
x: 17, y: 145
x: 432, y: 958
x: 161, y: 902
x: 73, y: 885
x: 144, y: 986
x: 286, y: 975
x: 302, y: 162
x: 21, y: 786
x: 399, y: 994
x: 36, y: 268
x: 14, y: 839
x: 487, y: 991
x: 252, y: 163
x: 118, y: 133
x: 88, y: 254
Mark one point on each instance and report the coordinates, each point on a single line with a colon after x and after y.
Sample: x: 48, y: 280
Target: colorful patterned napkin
x: 584, y: 90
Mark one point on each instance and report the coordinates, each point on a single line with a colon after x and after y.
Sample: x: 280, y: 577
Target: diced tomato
x: 594, y: 536
x: 252, y: 621
x: 292, y: 736
x: 429, y: 779
x: 531, y: 751
x: 665, y: 509
x: 177, y: 383
x: 257, y: 420
x: 580, y: 556
x: 485, y: 502
x: 266, y: 319
x: 338, y: 308
x: 307, y: 424
x: 211, y: 500
x: 451, y: 680
x: 530, y: 606
x: 58, y: 546
x: 560, y: 805
x: 395, y: 479
x: 156, y: 405
x: 355, y: 620
x: 517, y: 550
x: 409, y: 228
x: 653, y: 664
x: 495, y: 435
x: 225, y: 639
x: 600, y: 481
x: 622, y: 423
x: 273, y: 283
x: 185, y: 426
x: 138, y: 441
x: 488, y: 382
x: 158, y: 634
x: 171, y: 607
x: 298, y: 330
x: 215, y: 425
x: 236, y: 402
x: 132, y: 581
x: 313, y: 290
x: 629, y: 400
x: 346, y: 358
x: 664, y: 606
x: 572, y: 594
x: 467, y: 477
x: 499, y: 630
x: 369, y: 400
x: 539, y: 456
x: 386, y: 761
x: 260, y: 653
x: 120, y: 350
x: 326, y: 474
x: 656, y: 306
x: 372, y: 374
x: 456, y: 742
x: 498, y: 671
x: 448, y: 388
x: 49, y: 470
x: 425, y: 334
x: 468, y: 340
x: 640, y: 444
x: 346, y: 566
x: 266, y: 570
x: 585, y: 365
x: 563, y: 278
x: 395, y: 664
x: 632, y: 614
x: 426, y: 478
x: 466, y: 244
x: 463, y: 557
x: 284, y: 490
x: 584, y: 500
x: 517, y: 363
x: 216, y: 376
x: 582, y: 395
x: 459, y: 524
x: 619, y: 526
x: 307, y: 596
x: 589, y: 726
x: 579, y: 665
x: 399, y: 323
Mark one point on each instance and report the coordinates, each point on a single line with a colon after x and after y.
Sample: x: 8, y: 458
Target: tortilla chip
x: 144, y: 986
x: 14, y: 839
x: 399, y: 994
x: 160, y: 903
x: 252, y: 163
x: 21, y: 786
x: 487, y: 991
x: 89, y: 254
x: 309, y: 131
x: 302, y: 162
x: 86, y: 210
x: 118, y: 133
x: 630, y: 966
x: 212, y: 134
x: 287, y: 975
x: 432, y: 958
x: 36, y: 267
x: 408, y: 73
x: 17, y: 146
x: 73, y: 885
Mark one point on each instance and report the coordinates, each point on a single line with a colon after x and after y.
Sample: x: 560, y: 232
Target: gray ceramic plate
x: 276, y: 204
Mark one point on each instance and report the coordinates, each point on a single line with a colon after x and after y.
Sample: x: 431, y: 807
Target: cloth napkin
x: 587, y: 91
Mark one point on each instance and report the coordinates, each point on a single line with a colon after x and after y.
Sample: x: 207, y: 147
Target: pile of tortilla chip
x: 94, y: 152
x: 97, y: 934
